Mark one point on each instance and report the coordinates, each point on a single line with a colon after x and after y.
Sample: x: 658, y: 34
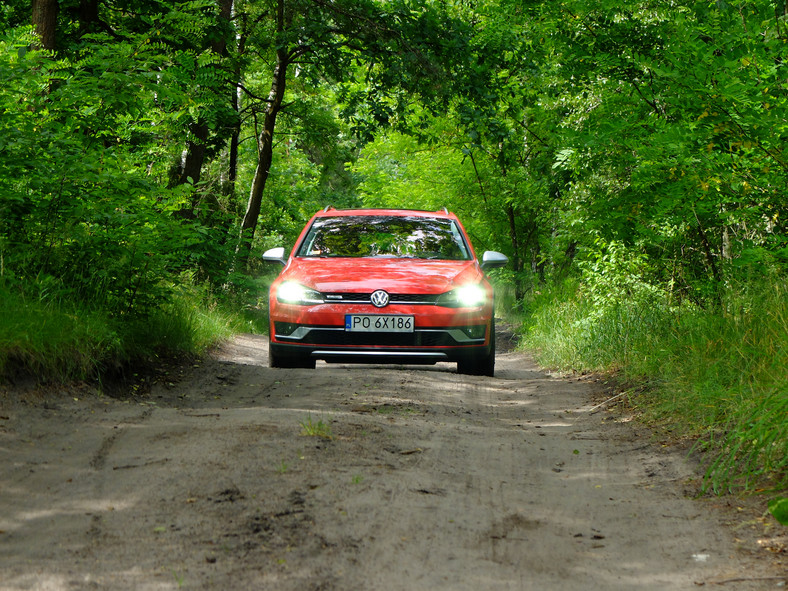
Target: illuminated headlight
x: 467, y: 296
x: 290, y: 292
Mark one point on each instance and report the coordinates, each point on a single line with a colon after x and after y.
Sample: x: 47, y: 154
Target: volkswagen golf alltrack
x: 383, y: 286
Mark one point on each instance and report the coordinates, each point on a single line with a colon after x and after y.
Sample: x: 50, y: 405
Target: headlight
x: 290, y: 292
x: 467, y: 296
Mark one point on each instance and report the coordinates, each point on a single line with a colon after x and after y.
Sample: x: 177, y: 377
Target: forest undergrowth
x: 58, y: 340
x: 715, y: 374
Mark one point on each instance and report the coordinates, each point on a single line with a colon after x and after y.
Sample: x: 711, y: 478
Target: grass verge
x: 717, y: 375
x: 56, y: 340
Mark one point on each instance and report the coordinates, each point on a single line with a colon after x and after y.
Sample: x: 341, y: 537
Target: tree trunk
x: 517, y: 260
x: 709, y: 258
x: 195, y: 154
x: 45, y: 22
x: 265, y: 149
x: 235, y: 140
x: 195, y: 148
x: 88, y: 16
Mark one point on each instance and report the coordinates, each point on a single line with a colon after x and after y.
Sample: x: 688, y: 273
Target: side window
x: 307, y: 247
x: 460, y: 241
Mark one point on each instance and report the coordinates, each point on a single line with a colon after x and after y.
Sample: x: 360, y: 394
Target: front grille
x: 413, y: 298
x: 394, y: 298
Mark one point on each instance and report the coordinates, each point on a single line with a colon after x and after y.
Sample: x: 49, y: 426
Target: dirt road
x: 411, y: 479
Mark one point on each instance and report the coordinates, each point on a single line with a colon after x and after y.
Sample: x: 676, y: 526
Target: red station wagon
x: 383, y: 286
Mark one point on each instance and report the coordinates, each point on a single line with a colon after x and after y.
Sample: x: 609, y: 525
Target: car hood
x: 345, y: 275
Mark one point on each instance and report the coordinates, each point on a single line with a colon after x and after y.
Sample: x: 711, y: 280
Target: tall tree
x: 400, y: 52
x: 285, y: 55
x: 199, y: 130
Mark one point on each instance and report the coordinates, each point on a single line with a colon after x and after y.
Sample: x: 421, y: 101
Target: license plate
x: 378, y: 323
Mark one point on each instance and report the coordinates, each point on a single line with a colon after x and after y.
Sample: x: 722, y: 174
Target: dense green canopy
x: 149, y: 134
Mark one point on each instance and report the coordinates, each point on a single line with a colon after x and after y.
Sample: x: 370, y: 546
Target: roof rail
x: 446, y: 211
x: 327, y: 207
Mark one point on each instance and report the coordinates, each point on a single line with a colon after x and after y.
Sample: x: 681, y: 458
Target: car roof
x: 331, y: 212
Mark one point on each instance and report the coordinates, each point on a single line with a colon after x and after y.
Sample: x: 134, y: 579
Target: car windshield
x: 385, y: 236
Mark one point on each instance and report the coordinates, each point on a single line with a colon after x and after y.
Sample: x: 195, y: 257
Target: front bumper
x: 350, y: 354
x: 422, y: 346
x: 440, y: 334
x: 452, y: 336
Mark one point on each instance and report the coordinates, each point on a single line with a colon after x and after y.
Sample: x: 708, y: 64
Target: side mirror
x: 275, y: 255
x: 493, y: 260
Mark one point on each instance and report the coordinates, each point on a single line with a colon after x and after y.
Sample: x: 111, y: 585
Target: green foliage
x: 55, y: 339
x: 191, y: 321
x: 719, y: 377
x: 52, y: 339
x: 754, y: 448
x: 306, y: 176
x: 779, y: 508
x: 411, y: 58
x: 81, y: 171
x: 311, y: 428
x: 613, y: 275
x: 397, y: 171
x: 667, y: 146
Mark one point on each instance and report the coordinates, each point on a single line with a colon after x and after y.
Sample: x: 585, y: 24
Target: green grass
x: 58, y: 340
x: 53, y: 339
x: 720, y: 375
x: 319, y: 428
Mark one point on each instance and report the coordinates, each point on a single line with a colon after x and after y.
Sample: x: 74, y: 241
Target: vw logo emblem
x: 379, y: 299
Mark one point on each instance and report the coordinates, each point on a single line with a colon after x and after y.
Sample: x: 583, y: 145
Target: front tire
x: 483, y: 365
x: 288, y: 361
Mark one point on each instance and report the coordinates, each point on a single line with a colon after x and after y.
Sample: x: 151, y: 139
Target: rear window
x: 385, y: 237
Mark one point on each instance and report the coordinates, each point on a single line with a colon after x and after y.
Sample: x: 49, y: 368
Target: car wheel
x: 288, y: 361
x: 483, y: 365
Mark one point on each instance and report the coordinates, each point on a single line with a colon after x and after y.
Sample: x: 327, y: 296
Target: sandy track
x: 430, y: 480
